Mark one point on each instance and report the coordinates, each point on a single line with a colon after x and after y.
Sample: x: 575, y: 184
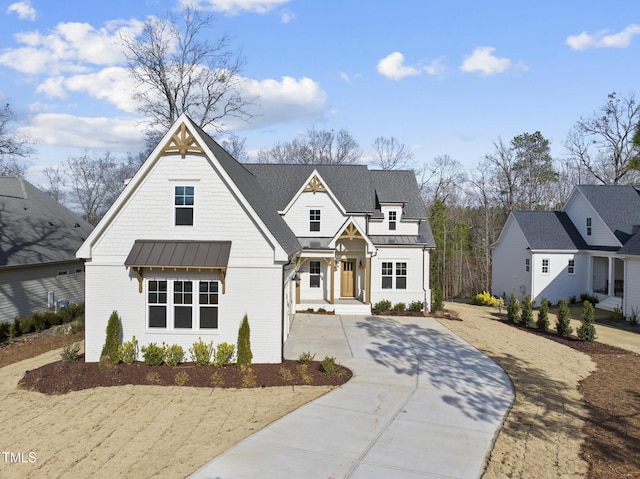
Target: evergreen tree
x: 543, y: 315
x: 110, y: 355
x: 244, y: 345
x: 513, y: 309
x: 437, y: 303
x: 587, y: 331
x: 526, y: 317
x: 563, y: 324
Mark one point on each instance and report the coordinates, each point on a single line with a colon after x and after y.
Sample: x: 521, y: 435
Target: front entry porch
x: 344, y: 306
x: 607, y: 281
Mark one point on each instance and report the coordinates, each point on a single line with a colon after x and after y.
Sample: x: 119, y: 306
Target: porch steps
x: 352, y: 309
x: 609, y: 303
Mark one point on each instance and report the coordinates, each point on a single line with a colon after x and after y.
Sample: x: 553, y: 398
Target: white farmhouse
x: 197, y: 240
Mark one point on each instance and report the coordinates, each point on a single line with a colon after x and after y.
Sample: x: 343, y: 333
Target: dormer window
x: 392, y: 220
x: 184, y: 201
x: 588, y: 226
x: 314, y: 220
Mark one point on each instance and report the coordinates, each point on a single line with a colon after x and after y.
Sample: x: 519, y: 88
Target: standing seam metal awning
x: 184, y: 255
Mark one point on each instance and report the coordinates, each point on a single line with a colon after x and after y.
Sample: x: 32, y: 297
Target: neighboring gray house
x: 591, y: 246
x: 38, y: 241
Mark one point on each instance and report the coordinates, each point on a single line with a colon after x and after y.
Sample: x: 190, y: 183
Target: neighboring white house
x: 585, y: 248
x: 38, y: 241
x: 197, y: 240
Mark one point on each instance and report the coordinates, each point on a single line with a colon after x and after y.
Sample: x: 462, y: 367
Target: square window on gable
x: 314, y: 220
x: 184, y: 200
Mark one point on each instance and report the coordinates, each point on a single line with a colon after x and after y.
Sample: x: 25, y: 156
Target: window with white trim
x: 401, y: 275
x: 588, y: 226
x: 314, y: 220
x: 182, y: 304
x: 571, y: 267
x: 545, y: 266
x: 387, y: 275
x: 527, y: 265
x: 183, y: 199
x: 392, y: 220
x: 314, y: 274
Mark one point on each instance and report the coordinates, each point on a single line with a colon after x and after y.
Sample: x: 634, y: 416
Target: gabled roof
x: 549, y: 230
x: 399, y: 186
x: 34, y: 228
x: 632, y: 246
x: 617, y: 205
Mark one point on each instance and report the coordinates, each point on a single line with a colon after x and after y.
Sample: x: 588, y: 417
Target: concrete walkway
x: 422, y: 403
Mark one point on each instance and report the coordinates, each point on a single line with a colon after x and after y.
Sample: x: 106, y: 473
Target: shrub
x: 4, y: 330
x: 399, y: 307
x: 109, y: 355
x: 487, y: 299
x: 51, y: 318
x: 303, y: 372
x: 587, y: 330
x: 437, y: 301
x: 616, y: 315
x: 513, y: 309
x: 249, y: 379
x: 38, y: 322
x: 633, y: 317
x: 216, y: 379
x: 328, y: 366
x: 526, y: 317
x: 152, y: 354
x: 416, y: 306
x: 285, y: 374
x: 383, y: 305
x: 322, y: 310
x: 78, y: 325
x: 563, y: 323
x: 128, y: 351
x: 181, y: 378
x: 589, y: 297
x: 223, y: 354
x: 173, y: 354
x: 153, y: 377
x: 70, y: 353
x: 201, y: 352
x: 26, y: 325
x: 543, y: 315
x: 13, y: 330
x: 244, y: 345
x: 573, y: 300
x: 306, y: 358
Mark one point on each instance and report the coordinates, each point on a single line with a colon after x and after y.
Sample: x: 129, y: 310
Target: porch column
x: 612, y: 277
x: 367, y: 281
x: 332, y: 266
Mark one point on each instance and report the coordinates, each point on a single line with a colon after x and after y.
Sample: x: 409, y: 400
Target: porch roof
x: 179, y: 254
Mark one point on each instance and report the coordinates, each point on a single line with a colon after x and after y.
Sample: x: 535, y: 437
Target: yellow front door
x: 347, y: 279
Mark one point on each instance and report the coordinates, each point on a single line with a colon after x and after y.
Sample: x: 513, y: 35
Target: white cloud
x: 69, y: 47
x: 287, y: 15
x: 392, y: 66
x: 282, y: 101
x: 23, y: 9
x: 483, y: 60
x: 601, y: 39
x: 436, y: 68
x: 234, y: 7
x: 106, y: 134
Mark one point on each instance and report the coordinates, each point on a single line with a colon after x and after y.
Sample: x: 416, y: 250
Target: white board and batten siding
x: 417, y: 260
x: 579, y: 209
x: 148, y: 214
x: 508, y: 272
x: 632, y: 294
x: 558, y: 283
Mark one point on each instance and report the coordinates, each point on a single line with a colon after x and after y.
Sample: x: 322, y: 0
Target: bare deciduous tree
x: 316, y: 147
x: 440, y: 179
x: 603, y: 142
x: 177, y: 71
x: 12, y: 145
x: 236, y: 147
x: 390, y: 154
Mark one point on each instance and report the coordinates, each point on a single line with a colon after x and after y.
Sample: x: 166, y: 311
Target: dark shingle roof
x: 250, y: 188
x: 632, y: 246
x: 550, y: 230
x: 35, y: 228
x: 399, y: 186
x: 617, y: 205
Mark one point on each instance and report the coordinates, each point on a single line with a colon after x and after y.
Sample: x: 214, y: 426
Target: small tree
x: 513, y: 309
x: 543, y: 315
x: 437, y: 302
x: 587, y: 331
x: 110, y: 355
x: 526, y: 317
x: 563, y: 324
x: 244, y: 345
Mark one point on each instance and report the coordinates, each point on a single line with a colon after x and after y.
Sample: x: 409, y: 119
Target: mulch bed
x: 612, y: 396
x: 62, y: 377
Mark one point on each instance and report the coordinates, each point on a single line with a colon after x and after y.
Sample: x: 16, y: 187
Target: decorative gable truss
x: 314, y: 184
x: 182, y: 141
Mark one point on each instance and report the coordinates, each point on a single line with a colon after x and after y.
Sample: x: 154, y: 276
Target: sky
x: 442, y: 77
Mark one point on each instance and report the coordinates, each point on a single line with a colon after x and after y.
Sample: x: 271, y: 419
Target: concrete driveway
x: 422, y: 403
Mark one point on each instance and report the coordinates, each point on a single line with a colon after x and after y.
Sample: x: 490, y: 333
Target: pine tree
x: 563, y: 324
x: 587, y: 331
x: 244, y: 345
x: 526, y: 317
x: 513, y: 309
x: 543, y: 315
x: 110, y: 355
x: 437, y: 303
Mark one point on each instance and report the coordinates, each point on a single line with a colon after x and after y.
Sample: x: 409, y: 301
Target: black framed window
x: 527, y: 264
x: 184, y: 200
x: 183, y: 304
x: 157, y: 300
x: 401, y: 275
x: 571, y: 267
x: 314, y: 274
x: 392, y: 220
x: 208, y: 299
x: 387, y: 275
x: 588, y: 226
x: 545, y: 266
x: 314, y: 220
